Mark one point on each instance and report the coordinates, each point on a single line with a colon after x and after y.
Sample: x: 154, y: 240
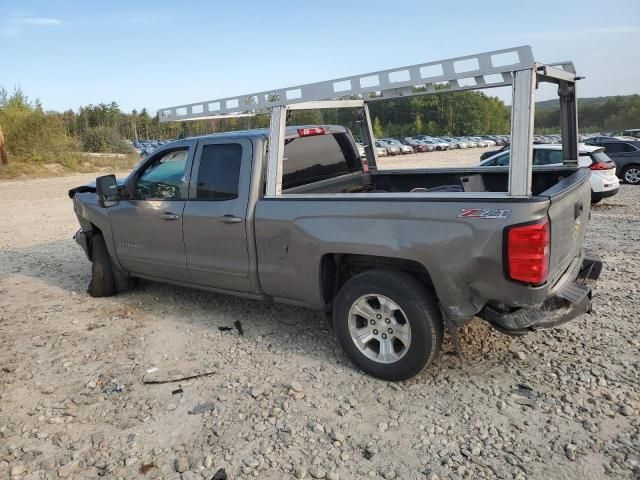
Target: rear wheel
x: 102, y: 279
x: 388, y: 324
x: 631, y: 174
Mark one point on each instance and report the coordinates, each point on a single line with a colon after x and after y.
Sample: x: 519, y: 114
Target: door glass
x: 219, y: 172
x: 547, y: 157
x: 163, y: 178
x: 503, y: 160
x: 613, y: 147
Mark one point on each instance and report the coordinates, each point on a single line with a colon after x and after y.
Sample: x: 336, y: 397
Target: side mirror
x: 107, y: 191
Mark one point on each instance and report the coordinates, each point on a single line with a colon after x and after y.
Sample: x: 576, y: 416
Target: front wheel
x: 102, y: 283
x: 388, y: 324
x: 631, y: 174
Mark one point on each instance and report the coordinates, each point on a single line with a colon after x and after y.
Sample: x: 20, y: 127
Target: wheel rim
x: 632, y: 175
x: 379, y: 328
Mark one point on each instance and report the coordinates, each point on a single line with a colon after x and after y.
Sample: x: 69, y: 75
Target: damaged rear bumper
x: 573, y: 300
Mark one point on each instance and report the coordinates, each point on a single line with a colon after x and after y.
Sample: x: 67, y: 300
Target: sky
x: 161, y: 53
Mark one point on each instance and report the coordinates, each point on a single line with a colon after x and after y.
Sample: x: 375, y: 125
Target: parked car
x: 391, y: 149
x: 437, y: 144
x: 454, y: 143
x: 626, y: 155
x: 430, y: 146
x: 604, y: 182
x: 404, y: 149
x: 483, y: 143
x: 632, y: 132
x: 417, y: 145
x: 361, y: 151
x: 491, y: 153
x: 487, y: 141
x: 470, y: 142
x: 598, y: 139
x: 382, y: 152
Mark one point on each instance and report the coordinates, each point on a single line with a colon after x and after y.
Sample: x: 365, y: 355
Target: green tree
x: 418, y: 127
x: 31, y: 134
x: 377, y: 128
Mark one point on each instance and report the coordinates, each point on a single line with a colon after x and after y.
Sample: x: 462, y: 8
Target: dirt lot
x: 283, y: 401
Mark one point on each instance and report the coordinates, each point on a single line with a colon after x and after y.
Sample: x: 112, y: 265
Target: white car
x: 604, y: 182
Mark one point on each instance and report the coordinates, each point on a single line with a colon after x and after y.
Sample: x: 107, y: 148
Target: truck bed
x: 463, y: 257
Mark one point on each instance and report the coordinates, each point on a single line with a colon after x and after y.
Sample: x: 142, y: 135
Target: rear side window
x: 499, y: 161
x: 219, y: 172
x: 311, y: 159
x: 547, y: 157
x: 614, y: 147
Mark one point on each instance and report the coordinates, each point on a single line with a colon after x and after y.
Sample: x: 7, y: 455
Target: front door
x: 147, y: 227
x: 215, y: 216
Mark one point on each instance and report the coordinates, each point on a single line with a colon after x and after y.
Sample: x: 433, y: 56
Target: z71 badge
x: 487, y: 213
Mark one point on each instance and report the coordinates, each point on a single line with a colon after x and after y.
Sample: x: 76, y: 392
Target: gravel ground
x: 282, y: 400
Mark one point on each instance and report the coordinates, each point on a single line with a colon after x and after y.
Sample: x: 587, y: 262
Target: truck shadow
x: 61, y: 264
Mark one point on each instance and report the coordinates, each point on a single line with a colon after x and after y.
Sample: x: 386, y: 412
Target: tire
x: 631, y: 174
x: 413, y: 313
x: 102, y: 279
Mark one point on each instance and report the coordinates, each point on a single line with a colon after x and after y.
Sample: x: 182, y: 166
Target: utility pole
x: 4, y: 157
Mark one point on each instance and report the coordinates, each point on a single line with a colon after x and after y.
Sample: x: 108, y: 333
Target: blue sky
x: 161, y: 53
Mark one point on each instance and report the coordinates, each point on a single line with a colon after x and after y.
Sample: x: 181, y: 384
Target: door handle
x: 169, y: 216
x: 230, y: 219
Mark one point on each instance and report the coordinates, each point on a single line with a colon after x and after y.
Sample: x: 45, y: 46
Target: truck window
x: 163, y: 177
x: 311, y: 159
x: 219, y: 172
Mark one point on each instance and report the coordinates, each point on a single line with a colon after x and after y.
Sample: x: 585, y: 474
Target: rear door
x: 215, y: 216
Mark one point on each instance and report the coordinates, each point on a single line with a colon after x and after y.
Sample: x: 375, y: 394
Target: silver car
x: 404, y: 149
x: 391, y: 149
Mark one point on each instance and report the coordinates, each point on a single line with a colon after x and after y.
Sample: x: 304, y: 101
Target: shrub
x: 103, y: 139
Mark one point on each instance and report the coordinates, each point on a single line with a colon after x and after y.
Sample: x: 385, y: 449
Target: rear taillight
x: 310, y: 131
x: 528, y: 252
x: 602, y: 166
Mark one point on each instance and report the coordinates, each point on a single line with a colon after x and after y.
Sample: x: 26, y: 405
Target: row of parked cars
x: 145, y: 147
x: 427, y: 143
x: 610, y: 158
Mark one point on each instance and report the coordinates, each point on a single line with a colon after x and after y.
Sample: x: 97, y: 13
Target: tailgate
x: 568, y: 217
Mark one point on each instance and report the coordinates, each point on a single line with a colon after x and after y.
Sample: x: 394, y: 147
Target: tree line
x: 31, y: 133
x: 603, y: 114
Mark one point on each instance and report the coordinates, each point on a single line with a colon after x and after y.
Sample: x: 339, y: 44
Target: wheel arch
x: 337, y: 268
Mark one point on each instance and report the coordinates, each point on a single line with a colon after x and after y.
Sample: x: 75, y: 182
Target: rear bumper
x: 572, y: 300
x: 596, y: 196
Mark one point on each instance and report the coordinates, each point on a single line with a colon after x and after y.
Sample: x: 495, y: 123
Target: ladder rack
x: 469, y: 72
x: 512, y: 66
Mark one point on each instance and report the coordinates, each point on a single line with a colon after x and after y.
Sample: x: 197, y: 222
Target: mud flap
x: 455, y: 337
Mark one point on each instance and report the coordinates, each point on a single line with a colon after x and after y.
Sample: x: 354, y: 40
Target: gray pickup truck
x: 392, y: 257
